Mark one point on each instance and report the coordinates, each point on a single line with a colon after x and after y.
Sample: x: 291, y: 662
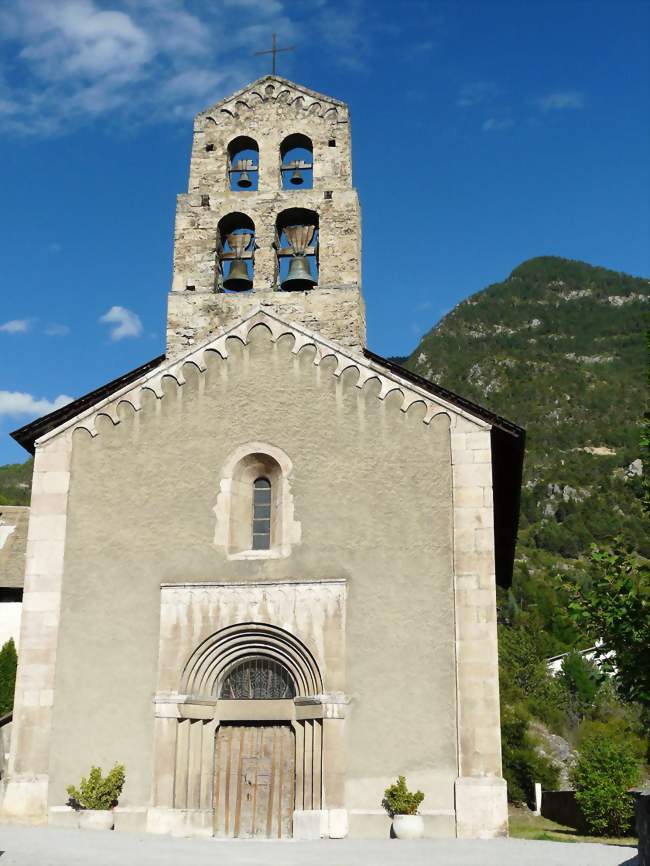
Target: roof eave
x: 27, y: 435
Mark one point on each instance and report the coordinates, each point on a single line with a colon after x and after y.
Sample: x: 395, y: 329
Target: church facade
x: 261, y: 569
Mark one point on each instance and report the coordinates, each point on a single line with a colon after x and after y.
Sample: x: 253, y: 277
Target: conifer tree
x: 8, y: 665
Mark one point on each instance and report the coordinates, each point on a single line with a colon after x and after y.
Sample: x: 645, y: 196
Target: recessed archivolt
x: 217, y: 654
x: 337, y: 362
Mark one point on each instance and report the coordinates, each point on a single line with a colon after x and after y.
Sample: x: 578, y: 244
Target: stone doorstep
x: 127, y: 819
x: 320, y: 824
x: 307, y: 824
x: 62, y: 816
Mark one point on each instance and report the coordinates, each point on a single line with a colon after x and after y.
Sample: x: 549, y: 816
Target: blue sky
x: 484, y: 132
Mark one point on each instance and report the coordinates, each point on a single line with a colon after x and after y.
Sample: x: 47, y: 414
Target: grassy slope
x: 524, y: 824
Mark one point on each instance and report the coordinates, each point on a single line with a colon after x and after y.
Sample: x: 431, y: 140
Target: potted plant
x: 96, y: 798
x: 402, y: 806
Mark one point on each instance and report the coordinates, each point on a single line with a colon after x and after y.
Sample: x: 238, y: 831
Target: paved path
x: 51, y: 846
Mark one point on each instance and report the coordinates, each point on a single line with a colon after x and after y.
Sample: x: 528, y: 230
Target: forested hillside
x: 15, y: 483
x: 559, y: 348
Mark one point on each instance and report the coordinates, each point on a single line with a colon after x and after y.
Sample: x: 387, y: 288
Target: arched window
x: 255, y: 499
x: 258, y: 679
x: 296, y: 243
x: 297, y: 169
x: 243, y: 163
x: 262, y: 500
x: 236, y: 251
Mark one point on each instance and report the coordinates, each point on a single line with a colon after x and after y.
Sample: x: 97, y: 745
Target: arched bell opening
x: 297, y: 162
x: 235, y: 253
x: 243, y: 164
x: 296, y: 243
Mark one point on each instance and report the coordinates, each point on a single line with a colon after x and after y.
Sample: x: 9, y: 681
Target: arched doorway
x: 239, y: 700
x: 255, y: 776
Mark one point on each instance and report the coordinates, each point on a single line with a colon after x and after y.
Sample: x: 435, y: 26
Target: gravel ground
x: 51, y: 846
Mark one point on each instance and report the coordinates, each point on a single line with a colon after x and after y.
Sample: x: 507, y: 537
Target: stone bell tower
x: 271, y: 218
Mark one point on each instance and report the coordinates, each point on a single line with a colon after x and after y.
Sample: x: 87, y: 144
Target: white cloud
x: 56, y: 330
x: 75, y: 38
x: 561, y: 101
x: 67, y: 62
x: 54, y: 247
x: 126, y: 323
x: 16, y: 403
x: 267, y: 7
x: 494, y: 124
x: 15, y: 326
x: 476, y: 93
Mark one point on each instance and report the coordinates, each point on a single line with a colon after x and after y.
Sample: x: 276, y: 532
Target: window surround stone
x: 233, y: 508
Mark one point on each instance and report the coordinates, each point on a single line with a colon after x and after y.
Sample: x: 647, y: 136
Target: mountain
x: 559, y: 348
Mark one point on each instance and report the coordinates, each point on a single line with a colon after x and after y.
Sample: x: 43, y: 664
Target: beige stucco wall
x: 372, y: 491
x: 14, y: 520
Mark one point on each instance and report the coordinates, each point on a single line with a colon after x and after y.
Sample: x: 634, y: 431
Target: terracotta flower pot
x: 96, y: 819
x: 408, y: 826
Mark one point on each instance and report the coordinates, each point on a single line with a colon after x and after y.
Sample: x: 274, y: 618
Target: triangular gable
x: 368, y: 367
x: 274, y: 87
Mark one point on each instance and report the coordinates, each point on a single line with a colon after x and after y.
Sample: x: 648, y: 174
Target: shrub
x: 398, y: 800
x: 8, y: 665
x: 617, y: 729
x: 96, y: 791
x: 522, y: 764
x: 606, y: 768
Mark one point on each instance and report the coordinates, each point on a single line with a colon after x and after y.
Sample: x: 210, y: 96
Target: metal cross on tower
x: 274, y: 50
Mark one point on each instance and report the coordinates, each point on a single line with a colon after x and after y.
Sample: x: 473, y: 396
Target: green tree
x: 645, y: 436
x: 606, y: 769
x: 8, y: 665
x: 581, y: 681
x: 522, y: 763
x: 612, y: 604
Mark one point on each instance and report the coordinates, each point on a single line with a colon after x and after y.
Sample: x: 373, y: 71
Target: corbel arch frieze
x: 345, y: 360
x: 245, y: 102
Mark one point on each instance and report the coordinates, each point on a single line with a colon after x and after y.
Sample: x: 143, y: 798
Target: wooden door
x: 254, y: 785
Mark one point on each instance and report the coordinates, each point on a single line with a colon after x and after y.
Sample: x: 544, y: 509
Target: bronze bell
x: 296, y: 178
x: 299, y: 278
x: 238, y: 279
x: 244, y: 180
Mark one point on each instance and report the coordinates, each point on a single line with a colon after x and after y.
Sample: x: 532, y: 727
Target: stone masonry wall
x: 337, y: 314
